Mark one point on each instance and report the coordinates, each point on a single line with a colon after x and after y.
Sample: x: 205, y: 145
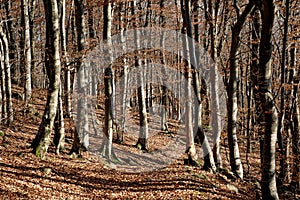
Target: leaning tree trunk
x: 52, y: 61
x: 235, y: 160
x: 209, y: 163
x: 269, y: 189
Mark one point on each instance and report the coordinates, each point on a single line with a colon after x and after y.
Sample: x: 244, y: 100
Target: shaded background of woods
x: 254, y: 44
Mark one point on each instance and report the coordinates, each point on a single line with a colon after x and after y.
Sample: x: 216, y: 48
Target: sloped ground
x: 24, y: 176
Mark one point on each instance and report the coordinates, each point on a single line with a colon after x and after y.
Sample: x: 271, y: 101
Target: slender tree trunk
x: 31, y: 13
x: 3, y: 113
x: 120, y: 135
x: 213, y: 7
x: 11, y: 25
x: 66, y: 67
x: 27, y: 50
x: 235, y: 160
x: 164, y: 100
x: 209, y: 162
x: 189, y: 50
x: 106, y: 147
x: 143, y: 135
x: 81, y: 140
x: 269, y: 189
x: 249, y: 94
x: 59, y: 135
x: 9, y: 109
x: 52, y: 61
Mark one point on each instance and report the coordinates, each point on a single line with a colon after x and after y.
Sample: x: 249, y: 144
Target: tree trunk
x: 9, y: 109
x: 59, y: 135
x: 81, y: 140
x: 2, y: 86
x: 235, y: 160
x: 106, y: 147
x: 31, y: 13
x: 66, y: 67
x: 189, y: 50
x: 11, y: 25
x: 52, y: 61
x: 143, y: 135
x: 120, y: 135
x: 269, y: 189
x: 27, y: 49
x: 213, y: 7
x: 164, y: 99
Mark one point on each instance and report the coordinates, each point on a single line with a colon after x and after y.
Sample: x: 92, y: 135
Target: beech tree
x: 189, y: 48
x: 269, y: 189
x: 106, y: 146
x: 53, y: 66
x: 6, y: 96
x: 142, y: 142
x: 81, y: 136
x: 27, y: 50
x: 235, y: 160
x: 254, y: 46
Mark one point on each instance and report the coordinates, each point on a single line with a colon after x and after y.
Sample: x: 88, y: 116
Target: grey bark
x: 235, y: 160
x: 11, y: 25
x: 268, y: 179
x: 190, y: 55
x: 27, y: 50
x: 59, y: 135
x: 106, y: 147
x: 81, y: 140
x: 65, y: 58
x: 32, y: 33
x: 7, y: 77
x: 53, y: 66
x: 213, y: 8
x: 164, y: 100
x: 120, y: 135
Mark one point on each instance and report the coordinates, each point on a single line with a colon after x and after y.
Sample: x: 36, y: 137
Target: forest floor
x: 24, y: 176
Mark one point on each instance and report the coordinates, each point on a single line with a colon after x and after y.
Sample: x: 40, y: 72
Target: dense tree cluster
x: 254, y: 46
